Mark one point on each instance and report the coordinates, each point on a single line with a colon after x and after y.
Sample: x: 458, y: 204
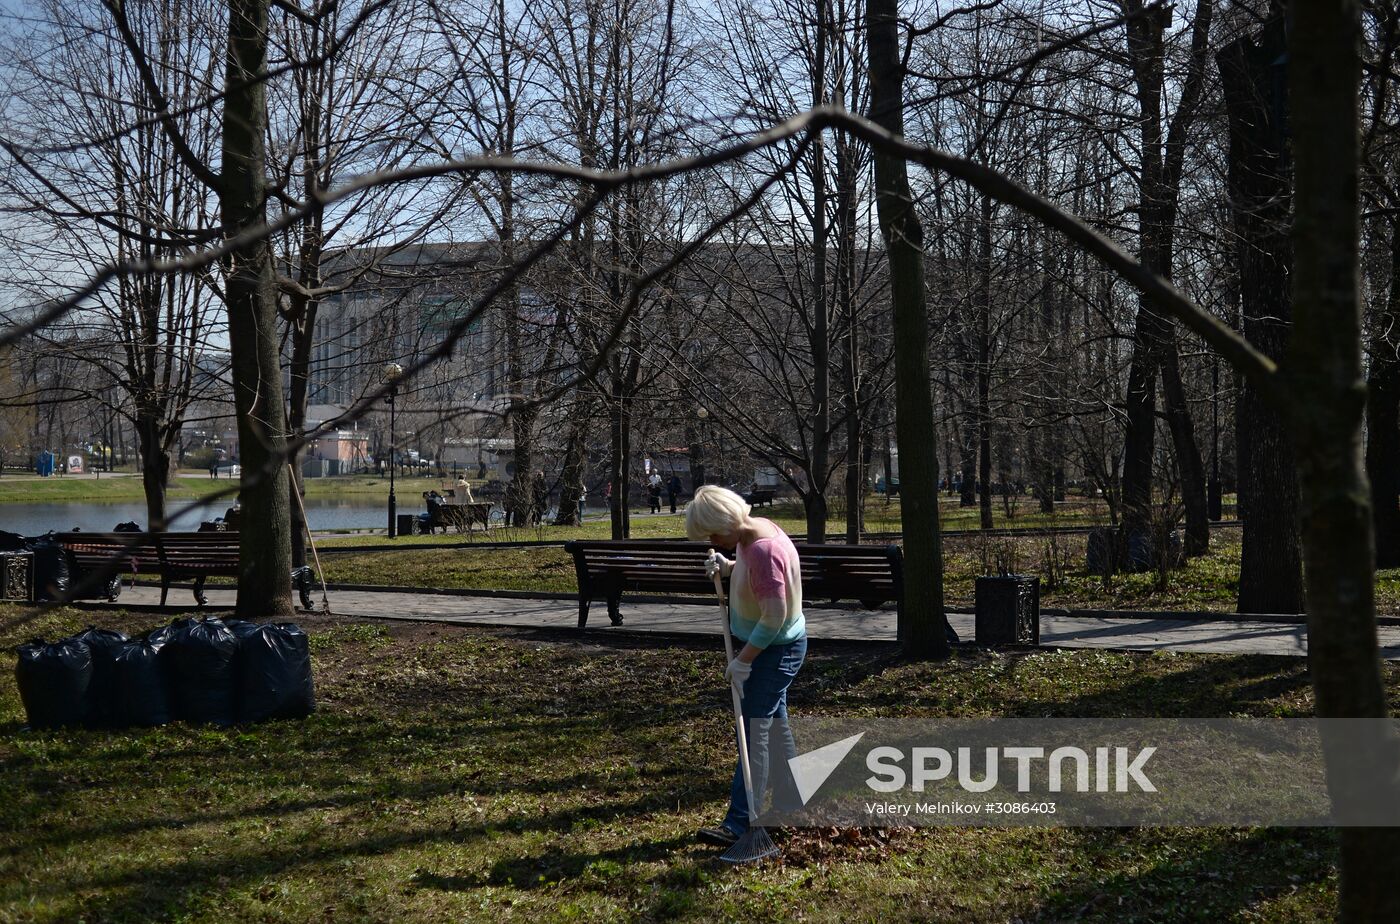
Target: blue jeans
x: 770, y: 738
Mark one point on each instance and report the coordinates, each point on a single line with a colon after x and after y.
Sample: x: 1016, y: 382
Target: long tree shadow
x: 1211, y: 884
x: 545, y: 869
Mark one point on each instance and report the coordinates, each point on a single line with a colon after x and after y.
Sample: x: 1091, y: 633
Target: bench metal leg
x: 582, y: 612
x: 164, y: 589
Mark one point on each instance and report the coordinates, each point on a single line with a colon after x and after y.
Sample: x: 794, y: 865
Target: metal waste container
x: 1008, y: 610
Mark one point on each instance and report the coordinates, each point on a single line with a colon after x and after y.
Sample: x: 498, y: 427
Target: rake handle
x: 738, y: 701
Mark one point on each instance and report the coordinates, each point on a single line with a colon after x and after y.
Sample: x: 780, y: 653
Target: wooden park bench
x: 169, y: 555
x: 461, y: 517
x: 871, y: 575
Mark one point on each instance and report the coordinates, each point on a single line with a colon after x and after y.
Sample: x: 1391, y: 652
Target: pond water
x: 93, y: 516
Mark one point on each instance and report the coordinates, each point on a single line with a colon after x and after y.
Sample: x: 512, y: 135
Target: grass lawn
x: 31, y: 489
x: 453, y: 774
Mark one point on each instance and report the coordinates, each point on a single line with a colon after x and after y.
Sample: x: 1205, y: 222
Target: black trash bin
x: 1008, y: 610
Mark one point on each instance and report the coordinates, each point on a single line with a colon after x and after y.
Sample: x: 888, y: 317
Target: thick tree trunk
x: 155, y: 468
x: 264, y: 581
x: 1271, y: 566
x: 1383, y: 418
x: 522, y: 428
x: 1139, y: 438
x: 923, y: 633
x: 1328, y: 394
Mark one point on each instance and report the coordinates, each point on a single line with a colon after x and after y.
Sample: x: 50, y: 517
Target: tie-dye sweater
x: 765, y: 597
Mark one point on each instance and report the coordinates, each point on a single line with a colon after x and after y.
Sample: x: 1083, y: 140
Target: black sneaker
x: 719, y: 836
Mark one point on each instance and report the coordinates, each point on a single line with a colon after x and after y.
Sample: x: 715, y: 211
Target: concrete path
x: 1152, y: 634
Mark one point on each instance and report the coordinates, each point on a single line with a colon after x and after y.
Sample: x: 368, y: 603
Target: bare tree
x: 126, y: 196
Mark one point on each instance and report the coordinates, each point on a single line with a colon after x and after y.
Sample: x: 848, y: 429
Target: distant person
x: 654, y: 491
x: 673, y: 490
x: 462, y: 493
x: 607, y: 494
x: 428, y: 521
x: 214, y: 469
x: 582, y: 496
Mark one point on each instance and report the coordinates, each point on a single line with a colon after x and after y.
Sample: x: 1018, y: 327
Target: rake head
x: 753, y: 845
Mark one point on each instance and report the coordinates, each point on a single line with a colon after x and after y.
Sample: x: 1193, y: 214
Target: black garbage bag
x: 53, y: 571
x: 53, y: 682
x: 274, y: 672
x: 13, y: 542
x: 161, y: 634
x: 130, y: 526
x: 102, y: 691
x: 303, y: 579
x: 143, y: 696
x: 199, y: 656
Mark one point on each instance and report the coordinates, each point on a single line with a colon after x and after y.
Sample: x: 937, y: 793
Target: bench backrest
x: 153, y: 552
x: 870, y: 574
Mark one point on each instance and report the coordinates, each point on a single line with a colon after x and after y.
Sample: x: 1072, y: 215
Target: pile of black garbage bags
x: 206, y: 671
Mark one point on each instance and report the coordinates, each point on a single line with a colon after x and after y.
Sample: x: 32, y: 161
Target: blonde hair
x: 714, y: 511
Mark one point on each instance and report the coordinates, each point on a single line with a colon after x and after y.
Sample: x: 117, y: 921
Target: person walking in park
x: 765, y: 616
x: 582, y: 496
x: 654, y: 490
x: 539, y: 498
x: 673, y: 490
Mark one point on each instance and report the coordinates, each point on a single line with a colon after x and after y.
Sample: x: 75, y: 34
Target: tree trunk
x: 1327, y: 391
x: 1188, y: 456
x: 923, y: 634
x: 618, y: 460
x: 264, y: 580
x: 155, y: 468
x: 522, y: 427
x: 1383, y: 418
x: 1271, y: 565
x: 967, y: 496
x: 1159, y: 179
x: 303, y: 324
x: 984, y: 363
x: 571, y: 478
x: 697, y: 457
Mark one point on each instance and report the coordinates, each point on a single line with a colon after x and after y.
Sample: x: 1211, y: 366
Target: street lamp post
x: 392, y: 371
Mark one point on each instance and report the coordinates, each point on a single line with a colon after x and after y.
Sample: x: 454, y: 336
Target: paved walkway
x: 1152, y: 634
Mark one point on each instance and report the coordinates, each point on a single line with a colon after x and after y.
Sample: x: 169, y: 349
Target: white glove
x: 738, y: 672
x: 717, y: 564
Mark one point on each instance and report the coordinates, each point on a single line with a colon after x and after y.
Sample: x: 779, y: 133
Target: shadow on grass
x: 544, y: 869
x: 1219, y: 882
